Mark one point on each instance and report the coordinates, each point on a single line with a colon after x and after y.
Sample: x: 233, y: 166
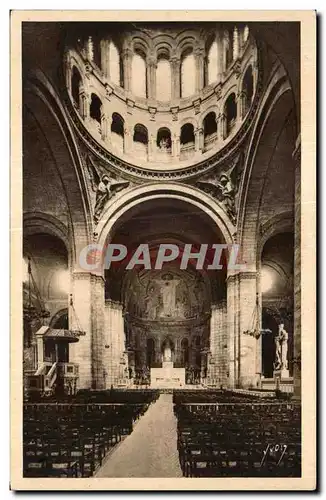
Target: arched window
x: 163, y: 80
x: 230, y: 112
x: 117, y: 132
x: 163, y: 140
x: 187, y: 134
x: 212, y: 63
x: 210, y: 130
x: 188, y: 74
x: 76, y: 83
x: 114, y: 63
x: 247, y: 90
x: 150, y: 352
x: 138, y: 75
x: 187, y: 141
x: 185, y: 352
x: 140, y: 141
x: 95, y: 108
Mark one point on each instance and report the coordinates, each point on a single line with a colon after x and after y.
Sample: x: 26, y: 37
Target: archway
x: 277, y: 274
x: 168, y: 305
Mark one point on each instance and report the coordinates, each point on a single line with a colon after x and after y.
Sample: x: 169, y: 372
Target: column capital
x: 199, y: 51
x: 127, y: 52
x: 174, y: 60
x: 151, y: 61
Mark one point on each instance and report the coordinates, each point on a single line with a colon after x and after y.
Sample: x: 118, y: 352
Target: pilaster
x: 297, y: 273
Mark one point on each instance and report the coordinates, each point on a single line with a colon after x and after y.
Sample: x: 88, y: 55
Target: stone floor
x: 151, y: 449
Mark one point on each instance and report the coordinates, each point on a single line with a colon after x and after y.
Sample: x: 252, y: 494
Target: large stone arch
x: 276, y: 106
x: 119, y: 206
x: 41, y: 99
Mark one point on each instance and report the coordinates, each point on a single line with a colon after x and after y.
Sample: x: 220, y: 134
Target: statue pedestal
x: 281, y: 374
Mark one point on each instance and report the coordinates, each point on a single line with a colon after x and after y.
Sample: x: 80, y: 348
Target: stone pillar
x: 105, y: 58
x: 199, y: 139
x: 218, y: 366
x: 297, y: 273
x: 225, y: 44
x: 221, y: 129
x: 128, y: 140
x: 151, y: 148
x: 175, y: 77
x: 235, y: 44
x: 199, y: 57
x: 97, y: 322
x: 220, y: 57
x: 248, y: 320
x: 127, y: 58
x: 114, y: 326
x: 80, y: 317
x: 151, y: 77
x: 83, y: 103
x: 103, y: 126
x: 176, y: 146
x: 232, y: 320
x: 90, y: 49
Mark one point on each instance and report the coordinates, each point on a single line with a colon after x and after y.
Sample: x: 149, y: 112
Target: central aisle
x: 151, y: 449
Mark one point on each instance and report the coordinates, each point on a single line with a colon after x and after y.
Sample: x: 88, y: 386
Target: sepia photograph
x: 160, y: 308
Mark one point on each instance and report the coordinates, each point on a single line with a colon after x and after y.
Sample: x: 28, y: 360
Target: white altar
x: 168, y: 377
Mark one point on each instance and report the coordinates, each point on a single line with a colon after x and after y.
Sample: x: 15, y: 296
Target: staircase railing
x: 51, y: 377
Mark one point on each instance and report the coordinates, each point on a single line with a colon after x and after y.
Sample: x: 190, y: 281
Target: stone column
x: 97, y: 315
x: 220, y: 57
x: 151, y: 77
x: 221, y: 129
x: 235, y: 44
x: 297, y: 273
x: 114, y: 327
x: 83, y: 103
x: 105, y: 58
x: 128, y: 140
x: 248, y: 320
x: 151, y: 148
x: 127, y: 58
x: 225, y: 44
x: 103, y: 126
x: 232, y: 320
x: 218, y: 368
x: 199, y: 57
x: 90, y: 48
x: 175, y: 77
x: 81, y: 318
x: 199, y: 139
x: 176, y: 146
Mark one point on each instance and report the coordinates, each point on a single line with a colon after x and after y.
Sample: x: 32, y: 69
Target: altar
x: 168, y: 377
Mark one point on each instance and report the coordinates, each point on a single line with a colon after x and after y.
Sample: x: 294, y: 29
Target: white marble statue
x: 281, y: 349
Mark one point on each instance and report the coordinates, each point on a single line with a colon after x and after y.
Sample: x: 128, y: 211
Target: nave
x: 190, y: 433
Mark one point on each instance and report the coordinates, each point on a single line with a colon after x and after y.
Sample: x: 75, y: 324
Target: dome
x: 161, y: 99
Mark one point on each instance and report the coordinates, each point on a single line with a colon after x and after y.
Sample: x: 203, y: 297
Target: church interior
x: 175, y: 134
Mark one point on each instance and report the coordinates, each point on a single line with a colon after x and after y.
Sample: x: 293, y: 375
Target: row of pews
x: 71, y: 438
x: 225, y: 435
